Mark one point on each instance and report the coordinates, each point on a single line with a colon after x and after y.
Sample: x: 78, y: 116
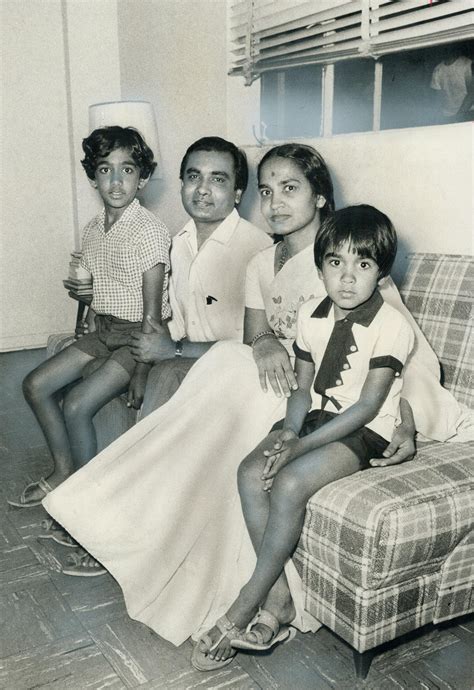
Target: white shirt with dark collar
x: 207, y: 287
x: 371, y: 336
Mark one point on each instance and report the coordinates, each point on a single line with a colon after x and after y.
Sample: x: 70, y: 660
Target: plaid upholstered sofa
x: 389, y: 550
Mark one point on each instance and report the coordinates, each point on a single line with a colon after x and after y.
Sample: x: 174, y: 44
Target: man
x: 208, y: 264
x: 452, y: 79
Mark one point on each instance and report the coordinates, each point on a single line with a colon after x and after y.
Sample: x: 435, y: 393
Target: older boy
x: 127, y: 251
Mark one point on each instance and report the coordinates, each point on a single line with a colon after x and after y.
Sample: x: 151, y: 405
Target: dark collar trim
x: 363, y: 315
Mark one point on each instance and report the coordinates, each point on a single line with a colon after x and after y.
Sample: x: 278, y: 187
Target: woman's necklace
x: 283, y: 256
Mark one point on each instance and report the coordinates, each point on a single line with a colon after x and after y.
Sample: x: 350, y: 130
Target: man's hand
x: 273, y: 363
x: 152, y: 347
x: 400, y: 449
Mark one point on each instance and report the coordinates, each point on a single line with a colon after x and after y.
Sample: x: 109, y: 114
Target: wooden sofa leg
x: 362, y: 661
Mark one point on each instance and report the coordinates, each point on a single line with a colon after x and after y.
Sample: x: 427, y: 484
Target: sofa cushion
x: 388, y: 525
x: 438, y: 290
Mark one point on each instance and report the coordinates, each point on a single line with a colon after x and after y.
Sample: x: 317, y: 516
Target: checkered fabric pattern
x: 391, y: 549
x: 438, y: 291
x: 117, y: 260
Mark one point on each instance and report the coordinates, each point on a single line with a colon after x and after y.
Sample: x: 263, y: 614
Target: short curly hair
x: 104, y: 140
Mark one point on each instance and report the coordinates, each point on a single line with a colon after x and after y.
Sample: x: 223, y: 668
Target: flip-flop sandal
x: 82, y: 564
x: 54, y: 531
x: 200, y: 659
x: 253, y: 639
x: 23, y: 502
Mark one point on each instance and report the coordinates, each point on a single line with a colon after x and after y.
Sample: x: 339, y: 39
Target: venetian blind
x: 272, y: 34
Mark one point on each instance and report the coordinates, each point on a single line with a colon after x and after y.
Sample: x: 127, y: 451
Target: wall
x: 173, y: 53
x: 57, y: 58
x: 422, y: 178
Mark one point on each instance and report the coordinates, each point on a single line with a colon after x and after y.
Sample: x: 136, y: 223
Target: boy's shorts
x: 365, y: 443
x: 95, y: 344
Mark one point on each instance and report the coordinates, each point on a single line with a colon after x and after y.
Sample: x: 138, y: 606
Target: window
x: 344, y: 66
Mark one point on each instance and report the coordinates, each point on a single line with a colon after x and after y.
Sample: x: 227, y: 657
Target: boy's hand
x: 284, y: 451
x: 136, y: 388
x: 82, y: 328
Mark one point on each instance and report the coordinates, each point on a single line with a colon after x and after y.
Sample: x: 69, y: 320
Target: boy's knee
x: 249, y: 472
x: 288, y: 486
x: 74, y: 406
x: 32, y: 385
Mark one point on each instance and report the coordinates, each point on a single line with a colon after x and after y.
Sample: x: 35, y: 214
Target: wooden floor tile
x: 231, y: 677
x: 34, y: 615
x: 93, y: 600
x: 18, y: 568
x: 415, y: 646
x: 137, y: 653
x: 450, y: 668
x: 71, y: 663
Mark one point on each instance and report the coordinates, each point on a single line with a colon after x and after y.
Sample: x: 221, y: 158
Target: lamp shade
x: 138, y: 114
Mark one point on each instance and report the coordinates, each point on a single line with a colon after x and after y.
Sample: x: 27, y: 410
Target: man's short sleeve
x: 394, y: 344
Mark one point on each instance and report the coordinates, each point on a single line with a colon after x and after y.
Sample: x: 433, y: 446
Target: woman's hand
x: 273, y: 363
x: 402, y: 446
x: 285, y: 449
x: 400, y: 449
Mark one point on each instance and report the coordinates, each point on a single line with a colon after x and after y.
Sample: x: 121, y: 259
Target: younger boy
x: 126, y: 249
x: 350, y: 350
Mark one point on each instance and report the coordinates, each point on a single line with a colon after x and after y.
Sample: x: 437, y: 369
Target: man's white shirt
x: 207, y: 287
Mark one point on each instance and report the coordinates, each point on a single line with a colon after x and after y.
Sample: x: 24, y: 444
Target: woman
x: 160, y: 507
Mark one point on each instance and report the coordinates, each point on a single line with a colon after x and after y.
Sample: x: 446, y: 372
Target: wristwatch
x: 178, y: 351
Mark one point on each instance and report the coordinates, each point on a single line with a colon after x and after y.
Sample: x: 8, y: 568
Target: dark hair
x: 221, y: 146
x: 369, y: 231
x: 312, y: 165
x: 104, y: 140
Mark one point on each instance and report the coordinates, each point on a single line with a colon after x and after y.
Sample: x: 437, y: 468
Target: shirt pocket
x: 122, y: 264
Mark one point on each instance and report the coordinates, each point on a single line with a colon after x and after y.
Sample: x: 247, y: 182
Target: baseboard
x: 28, y: 341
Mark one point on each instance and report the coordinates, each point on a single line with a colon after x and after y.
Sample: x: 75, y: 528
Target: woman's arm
x: 271, y: 358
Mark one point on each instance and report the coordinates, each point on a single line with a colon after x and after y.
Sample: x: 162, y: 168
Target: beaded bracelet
x: 261, y: 335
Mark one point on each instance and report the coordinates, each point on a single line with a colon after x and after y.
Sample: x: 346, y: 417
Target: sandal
x: 280, y: 633
x: 54, y: 531
x: 23, y: 501
x: 82, y: 564
x: 200, y: 659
